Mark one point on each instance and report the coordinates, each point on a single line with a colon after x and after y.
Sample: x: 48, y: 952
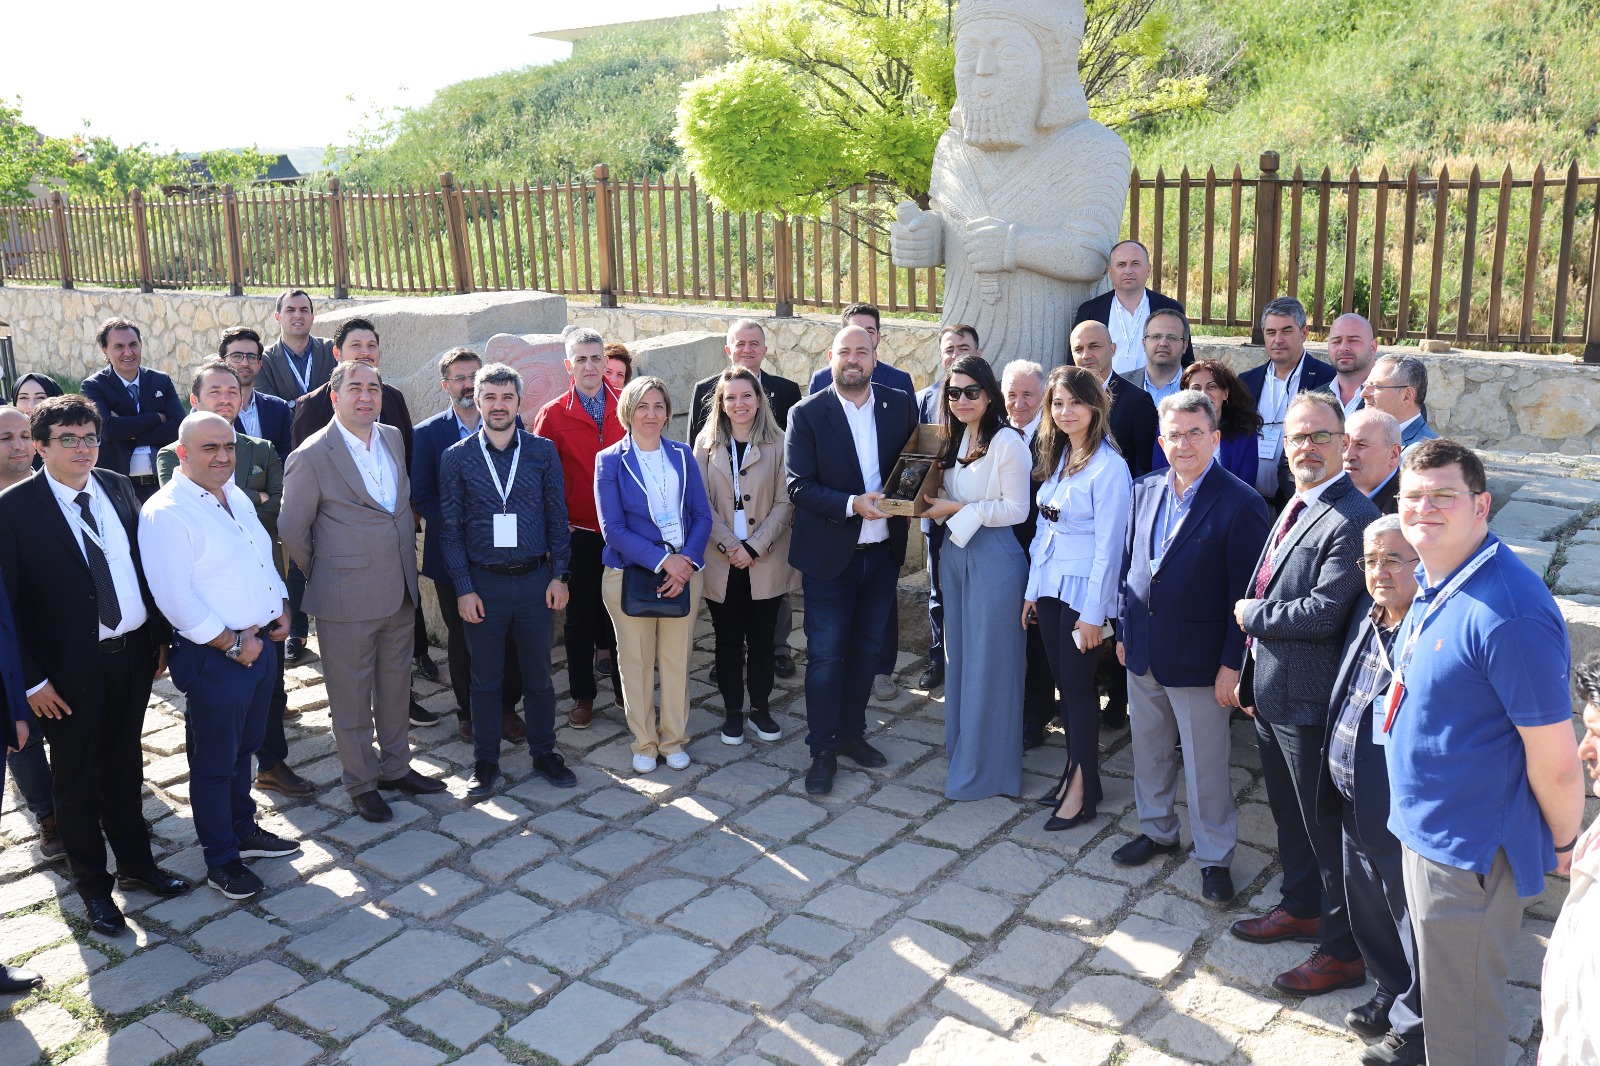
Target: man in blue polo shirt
x: 1483, y: 764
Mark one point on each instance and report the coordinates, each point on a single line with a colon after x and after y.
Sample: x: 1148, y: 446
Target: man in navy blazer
x: 261, y: 414
x: 867, y: 317
x: 841, y: 445
x: 1283, y: 325
x: 139, y: 408
x: 1191, y: 550
x: 1129, y: 269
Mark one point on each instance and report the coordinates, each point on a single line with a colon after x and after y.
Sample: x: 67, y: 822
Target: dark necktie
x: 1264, y: 575
x: 133, y: 390
x: 105, y: 590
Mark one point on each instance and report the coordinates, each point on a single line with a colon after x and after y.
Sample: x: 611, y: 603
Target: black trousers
x: 1312, y: 852
x: 299, y: 621
x: 744, y: 628
x: 1080, y: 707
x: 587, y: 626
x: 459, y: 658
x: 274, y: 743
x: 1038, y: 688
x: 1375, y: 889
x: 99, y: 768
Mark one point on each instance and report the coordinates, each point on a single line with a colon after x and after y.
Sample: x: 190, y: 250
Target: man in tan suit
x: 346, y: 522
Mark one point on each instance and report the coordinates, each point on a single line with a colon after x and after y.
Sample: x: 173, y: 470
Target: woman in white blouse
x: 982, y: 574
x: 1076, y: 563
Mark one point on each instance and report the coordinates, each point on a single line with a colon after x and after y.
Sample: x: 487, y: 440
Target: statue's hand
x: 989, y: 246
x: 917, y: 237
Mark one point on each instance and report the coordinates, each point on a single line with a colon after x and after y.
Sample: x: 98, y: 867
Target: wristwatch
x: 238, y: 646
x: 565, y: 577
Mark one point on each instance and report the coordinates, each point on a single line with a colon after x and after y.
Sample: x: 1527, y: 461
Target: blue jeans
x: 846, y: 617
x: 32, y: 771
x: 225, y: 720
x: 513, y: 605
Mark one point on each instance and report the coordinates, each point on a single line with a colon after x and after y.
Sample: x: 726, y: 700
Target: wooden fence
x: 1483, y: 262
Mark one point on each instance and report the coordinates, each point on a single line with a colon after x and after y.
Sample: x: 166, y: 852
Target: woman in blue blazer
x: 654, y: 513
x: 1236, y: 415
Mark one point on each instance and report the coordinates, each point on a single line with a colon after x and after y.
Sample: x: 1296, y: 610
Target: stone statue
x: 1027, y: 191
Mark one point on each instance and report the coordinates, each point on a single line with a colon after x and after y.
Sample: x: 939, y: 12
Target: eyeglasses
x: 244, y: 356
x: 1300, y: 440
x: 1051, y: 512
x: 1374, y: 386
x: 971, y: 392
x: 1193, y: 436
x: 74, y: 440
x: 1172, y: 338
x: 1391, y: 564
x: 1442, y: 499
x: 462, y: 379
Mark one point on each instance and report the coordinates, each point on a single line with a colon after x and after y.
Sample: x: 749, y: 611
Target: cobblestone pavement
x: 717, y: 915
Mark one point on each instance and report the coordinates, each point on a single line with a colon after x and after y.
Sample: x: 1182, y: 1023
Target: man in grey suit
x: 1306, y: 584
x: 1398, y: 386
x: 299, y: 363
x: 346, y: 521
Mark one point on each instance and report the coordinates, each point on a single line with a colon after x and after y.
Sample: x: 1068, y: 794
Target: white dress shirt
x: 864, y: 431
x: 208, y: 570
x: 1031, y: 430
x: 1308, y: 497
x: 1127, y: 333
x: 250, y: 417
x: 1273, y: 407
x: 142, y: 460
x: 377, y: 468
x: 114, y: 543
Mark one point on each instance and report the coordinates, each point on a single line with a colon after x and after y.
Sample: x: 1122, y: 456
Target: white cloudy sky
x: 226, y: 74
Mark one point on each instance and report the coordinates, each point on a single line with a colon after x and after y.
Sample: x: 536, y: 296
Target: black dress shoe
x: 294, y: 649
x: 372, y: 807
x: 1114, y: 718
x: 1140, y: 850
x: 412, y: 782
x: 858, y: 751
x: 1395, y: 1050
x: 783, y: 665
x: 1057, y: 824
x: 15, y: 981
x: 712, y: 676
x: 427, y: 668
x: 104, y: 916
x: 484, y: 776
x: 932, y: 676
x: 1371, y: 1019
x: 417, y: 714
x: 156, y: 881
x: 819, y: 779
x: 1216, y: 885
x: 554, y: 769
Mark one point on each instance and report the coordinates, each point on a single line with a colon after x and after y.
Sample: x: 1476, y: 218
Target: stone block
x: 683, y: 817
x: 320, y: 896
x: 637, y: 1053
x: 1205, y: 997
x: 904, y: 800
x: 30, y: 932
x: 619, y: 852
x: 887, y: 977
x: 724, y: 916
x: 454, y: 1018
x: 414, y: 962
x: 966, y: 910
x: 247, y: 989
x: 780, y: 818
x: 742, y: 783
x: 680, y: 358
x: 385, y: 1047
x: 559, y: 884
x: 759, y: 977
x: 484, y: 820
x: 1191, y: 1039
x: 433, y: 894
x: 68, y: 963
x: 41, y: 1027
x: 146, y: 1041
x: 953, y: 1040
x: 717, y: 856
x: 654, y: 899
x: 792, y: 873
x: 513, y: 980
x: 698, y: 1027
x: 1253, y: 964
x: 966, y: 825
x: 1521, y: 520
x: 1058, y: 1041
x: 802, y: 1041
x: 144, y: 978
x: 851, y: 907
x: 1011, y: 869
x: 505, y: 857
x: 1145, y: 948
x: 859, y: 831
x: 358, y: 833
x: 189, y: 910
x: 982, y: 1003
x: 567, y: 827
x: 502, y: 916
x: 345, y: 937
x: 238, y: 934
x: 261, y: 1043
x: 333, y: 1007
x: 904, y: 868
x: 1032, y: 958
x: 1076, y: 902
x: 404, y: 857
x: 579, y: 1019
x: 811, y: 938
x: 572, y: 942
x: 652, y: 966
x: 1110, y: 1002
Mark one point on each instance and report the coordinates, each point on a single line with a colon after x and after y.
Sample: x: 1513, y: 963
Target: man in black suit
x: 261, y: 414
x: 92, y: 644
x: 1283, y: 325
x: 1133, y: 412
x: 841, y: 444
x: 1127, y: 308
x: 1306, y: 584
x: 1372, y: 457
x: 1023, y: 386
x: 1353, y: 792
x: 139, y: 409
x: 298, y: 363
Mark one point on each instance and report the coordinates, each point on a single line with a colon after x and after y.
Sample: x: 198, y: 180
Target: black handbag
x: 641, y: 600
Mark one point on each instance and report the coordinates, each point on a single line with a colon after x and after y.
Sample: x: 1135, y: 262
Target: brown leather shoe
x: 372, y: 807
x: 464, y: 729
x: 412, y: 782
x: 512, y: 729
x: 282, y: 779
x: 290, y: 712
x: 581, y: 715
x: 1320, y: 974
x: 1278, y: 925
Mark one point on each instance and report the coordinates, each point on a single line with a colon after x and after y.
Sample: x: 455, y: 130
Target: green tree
x: 237, y: 166
x: 25, y: 154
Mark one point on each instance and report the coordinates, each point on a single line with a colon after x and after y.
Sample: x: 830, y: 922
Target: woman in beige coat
x: 740, y: 452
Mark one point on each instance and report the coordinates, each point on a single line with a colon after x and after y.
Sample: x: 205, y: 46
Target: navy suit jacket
x: 882, y: 374
x: 1371, y: 768
x: 1314, y: 375
x: 428, y: 441
x: 277, y: 422
x: 1098, y: 309
x: 1177, y: 624
x: 824, y: 472
x: 126, y: 427
x: 1135, y: 426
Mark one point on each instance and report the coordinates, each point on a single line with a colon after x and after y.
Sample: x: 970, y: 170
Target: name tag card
x: 741, y: 525
x: 505, y: 531
x: 1270, y: 443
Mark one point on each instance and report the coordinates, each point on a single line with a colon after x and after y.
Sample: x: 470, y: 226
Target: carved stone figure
x: 1027, y: 192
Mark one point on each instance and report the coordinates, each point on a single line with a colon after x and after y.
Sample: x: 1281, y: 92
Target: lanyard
x: 370, y: 459
x: 1288, y: 392
x: 733, y: 465
x: 96, y: 532
x: 1397, y: 693
x: 511, y: 478
x: 303, y: 380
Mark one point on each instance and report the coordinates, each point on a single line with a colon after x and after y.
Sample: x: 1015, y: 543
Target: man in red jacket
x: 579, y: 423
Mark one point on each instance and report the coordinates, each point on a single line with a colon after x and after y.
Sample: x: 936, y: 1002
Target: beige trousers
x: 367, y: 666
x: 645, y: 645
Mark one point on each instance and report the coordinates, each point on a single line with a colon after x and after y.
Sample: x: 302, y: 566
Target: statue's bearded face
x: 999, y: 83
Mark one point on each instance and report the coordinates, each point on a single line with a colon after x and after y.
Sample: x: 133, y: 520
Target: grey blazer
x: 1299, y: 624
x: 277, y: 377
x: 360, y: 561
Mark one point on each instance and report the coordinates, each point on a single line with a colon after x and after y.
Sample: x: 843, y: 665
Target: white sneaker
x: 883, y: 688
x: 678, y: 760
x: 643, y: 764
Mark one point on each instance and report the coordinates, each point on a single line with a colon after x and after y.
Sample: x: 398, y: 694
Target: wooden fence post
x: 141, y: 241
x: 341, y: 241
x: 58, y: 213
x: 230, y: 223
x: 1269, y: 224
x: 606, y: 234
x: 455, y: 221
x: 782, y: 267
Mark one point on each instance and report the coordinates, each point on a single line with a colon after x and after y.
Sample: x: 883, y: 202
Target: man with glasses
x: 1166, y: 337
x: 1398, y: 385
x: 1192, y: 544
x: 1483, y: 762
x: 139, y: 408
x: 1353, y: 791
x: 1305, y: 586
x: 92, y: 645
x: 261, y: 414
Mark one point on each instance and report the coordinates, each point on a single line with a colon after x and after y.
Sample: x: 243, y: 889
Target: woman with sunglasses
x: 982, y: 572
x: 1076, y: 564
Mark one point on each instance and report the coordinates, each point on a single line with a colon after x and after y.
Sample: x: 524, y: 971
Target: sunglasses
x: 971, y: 392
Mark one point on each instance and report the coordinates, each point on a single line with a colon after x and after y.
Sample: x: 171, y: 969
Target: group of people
x: 1197, y: 542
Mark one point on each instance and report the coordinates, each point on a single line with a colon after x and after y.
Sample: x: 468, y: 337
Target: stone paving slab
x: 577, y: 1021
x: 887, y: 977
x: 247, y: 989
x: 146, y: 1041
x: 142, y: 979
x: 258, y: 1044
x: 414, y: 962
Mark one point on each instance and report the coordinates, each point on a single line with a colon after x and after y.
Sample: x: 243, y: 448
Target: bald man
x: 1133, y: 412
x: 1351, y: 349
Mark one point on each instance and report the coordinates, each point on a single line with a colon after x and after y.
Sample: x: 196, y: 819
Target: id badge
x: 1391, y: 705
x: 741, y: 525
x: 1270, y: 443
x: 505, y: 531
x: 1380, y: 720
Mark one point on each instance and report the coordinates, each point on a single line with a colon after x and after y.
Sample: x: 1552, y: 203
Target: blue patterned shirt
x: 595, y: 405
x: 468, y: 502
x: 1371, y: 680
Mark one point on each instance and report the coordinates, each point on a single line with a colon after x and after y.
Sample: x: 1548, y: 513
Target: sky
x: 191, y: 78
